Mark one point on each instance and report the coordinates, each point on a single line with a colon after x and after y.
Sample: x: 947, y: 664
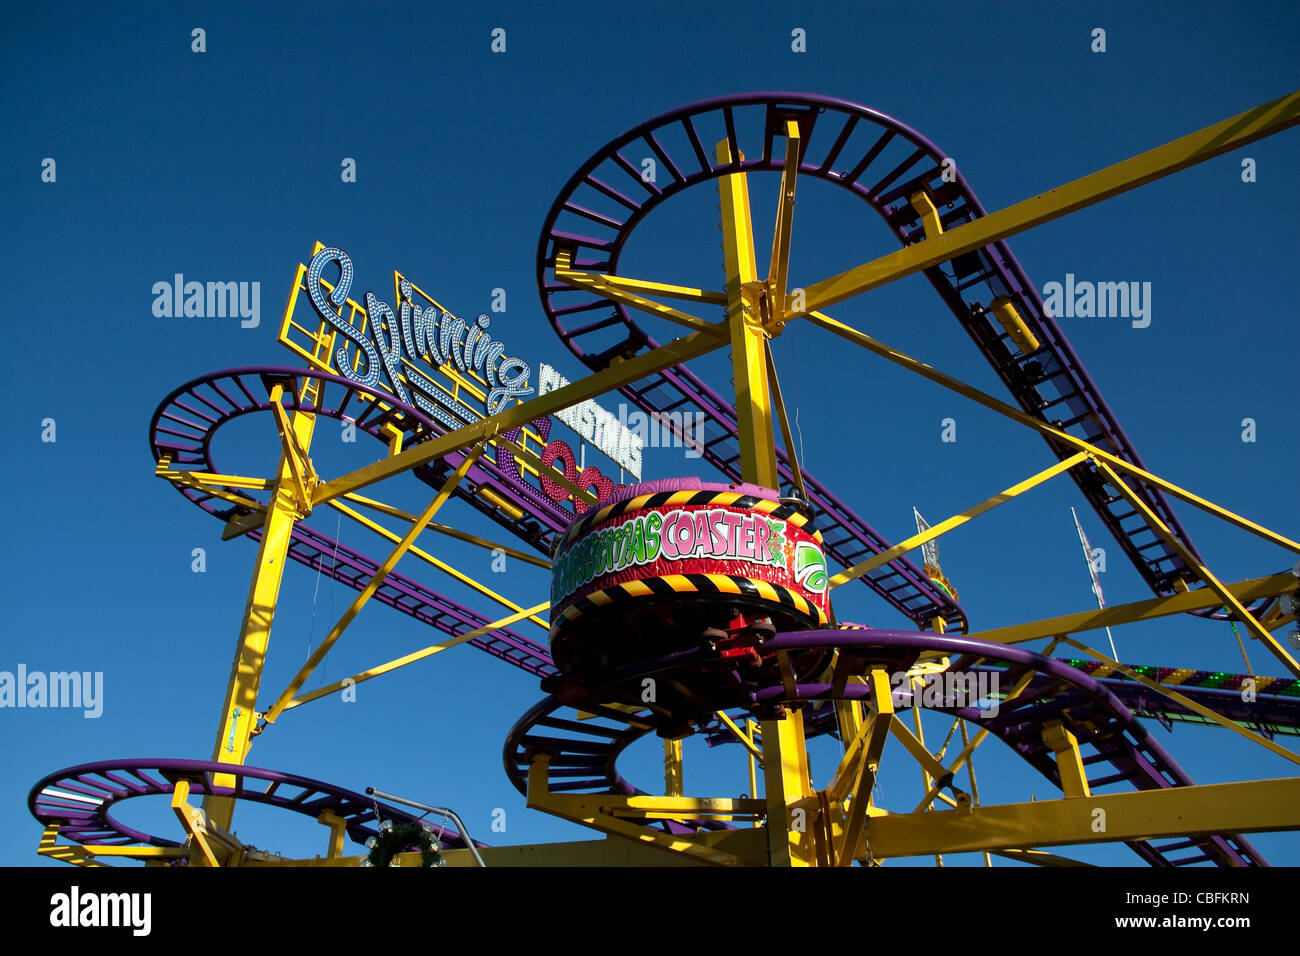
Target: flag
x: 929, y: 550
x: 1087, y: 557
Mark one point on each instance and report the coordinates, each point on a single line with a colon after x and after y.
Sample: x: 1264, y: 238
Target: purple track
x: 882, y: 162
x: 583, y: 755
x: 184, y: 426
x: 106, y: 783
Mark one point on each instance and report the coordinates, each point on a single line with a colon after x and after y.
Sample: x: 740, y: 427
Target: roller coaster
x: 691, y: 605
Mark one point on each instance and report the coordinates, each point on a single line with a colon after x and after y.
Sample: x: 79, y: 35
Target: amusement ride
x: 704, y: 605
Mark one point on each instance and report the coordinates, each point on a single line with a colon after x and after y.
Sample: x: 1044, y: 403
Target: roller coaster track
x: 80, y: 799
x: 1101, y: 713
x: 1272, y: 710
x: 583, y: 754
x: 884, y: 163
x: 856, y: 146
x: 183, y: 428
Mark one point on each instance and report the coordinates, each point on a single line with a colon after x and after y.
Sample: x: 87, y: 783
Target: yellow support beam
x: 1251, y: 589
x: 1069, y: 762
x: 66, y: 852
x: 975, y: 797
x: 617, y: 375
x: 1008, y: 316
x: 619, y: 290
x: 931, y: 768
x: 1252, y: 807
x: 974, y: 743
x: 917, y: 540
x: 746, y: 740
x: 928, y: 783
x: 375, y: 581
x: 1153, y: 520
x: 179, y: 480
x: 438, y: 563
x: 1187, y: 702
x: 300, y: 468
x: 411, y: 658
x: 597, y: 812
x: 856, y: 773
x: 1205, y: 144
x: 785, y: 774
x: 210, y: 844
x: 207, y: 479
x: 443, y: 529
x: 796, y: 472
x: 238, y: 712
x: 674, y: 780
x: 745, y: 325
x: 1037, y: 858
x: 1002, y: 408
x: 778, y: 272
x: 548, y: 471
x: 611, y: 285
x: 849, y: 714
x: 924, y: 207
x: 627, y: 284
x: 338, y: 828
x: 131, y: 852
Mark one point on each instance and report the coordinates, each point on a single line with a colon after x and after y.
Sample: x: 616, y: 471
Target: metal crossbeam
x: 616, y: 376
x: 1205, y: 144
x: 375, y: 581
x: 1204, y: 810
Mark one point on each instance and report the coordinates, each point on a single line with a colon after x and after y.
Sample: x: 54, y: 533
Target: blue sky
x: 225, y: 166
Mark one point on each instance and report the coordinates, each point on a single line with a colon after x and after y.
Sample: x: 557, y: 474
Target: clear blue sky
x: 226, y: 166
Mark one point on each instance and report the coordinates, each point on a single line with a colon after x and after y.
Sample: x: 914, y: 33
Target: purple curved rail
x: 584, y: 754
x: 183, y: 427
x: 1050, y: 384
x: 81, y: 799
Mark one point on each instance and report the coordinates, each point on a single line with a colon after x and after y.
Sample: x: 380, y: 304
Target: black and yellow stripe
x: 693, y: 584
x: 688, y: 498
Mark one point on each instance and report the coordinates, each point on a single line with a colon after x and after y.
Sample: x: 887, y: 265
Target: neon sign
x: 452, y: 370
x: 597, y: 427
x: 427, y: 334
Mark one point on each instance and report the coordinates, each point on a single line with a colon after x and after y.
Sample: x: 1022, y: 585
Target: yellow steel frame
x: 744, y: 320
x: 802, y: 825
x: 1205, y: 144
x: 1250, y: 807
x: 290, y: 500
x: 376, y: 580
x: 414, y: 656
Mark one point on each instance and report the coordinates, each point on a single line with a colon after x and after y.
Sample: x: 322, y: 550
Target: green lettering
x: 638, y: 539
x: 624, y: 545
x: 610, y: 551
x: 653, y: 522
x: 776, y: 543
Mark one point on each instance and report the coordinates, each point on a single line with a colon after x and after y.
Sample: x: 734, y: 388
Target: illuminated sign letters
x: 455, y: 372
x: 596, y: 426
x: 416, y: 334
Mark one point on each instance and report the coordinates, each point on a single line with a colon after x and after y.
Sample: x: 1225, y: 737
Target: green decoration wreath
x: 394, y: 838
